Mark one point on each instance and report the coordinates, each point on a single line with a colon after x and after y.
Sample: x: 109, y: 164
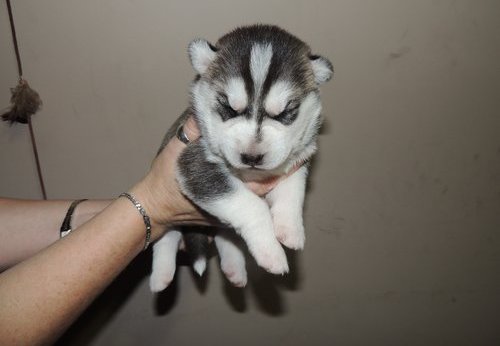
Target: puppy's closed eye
x: 226, y: 110
x: 288, y: 115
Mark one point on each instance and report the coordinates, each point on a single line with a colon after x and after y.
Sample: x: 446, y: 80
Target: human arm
x: 28, y: 226
x: 42, y: 296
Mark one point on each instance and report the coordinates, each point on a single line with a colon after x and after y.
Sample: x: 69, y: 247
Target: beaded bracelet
x: 145, y: 216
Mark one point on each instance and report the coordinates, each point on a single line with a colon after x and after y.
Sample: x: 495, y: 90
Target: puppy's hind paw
x: 158, y: 283
x: 237, y: 276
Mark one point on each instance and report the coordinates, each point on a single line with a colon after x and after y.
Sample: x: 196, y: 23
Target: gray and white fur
x: 256, y: 101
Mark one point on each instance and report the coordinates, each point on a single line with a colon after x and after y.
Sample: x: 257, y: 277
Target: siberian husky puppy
x: 256, y: 101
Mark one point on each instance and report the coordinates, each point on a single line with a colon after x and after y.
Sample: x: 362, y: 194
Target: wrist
x: 87, y: 210
x: 155, y: 208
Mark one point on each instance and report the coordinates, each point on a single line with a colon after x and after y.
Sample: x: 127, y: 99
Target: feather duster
x: 24, y: 103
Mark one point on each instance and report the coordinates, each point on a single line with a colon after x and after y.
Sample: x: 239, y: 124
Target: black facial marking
x: 273, y: 72
x: 248, y: 112
x: 261, y: 115
x: 258, y: 135
x: 287, y: 117
x: 227, y: 112
x: 289, y: 114
x: 247, y: 79
x: 203, y: 180
x: 224, y: 109
x: 289, y: 62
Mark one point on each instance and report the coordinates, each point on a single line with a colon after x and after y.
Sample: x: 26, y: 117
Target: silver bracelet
x: 145, y: 216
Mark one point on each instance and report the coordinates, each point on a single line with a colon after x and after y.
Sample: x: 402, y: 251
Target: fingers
x: 186, y: 133
x: 263, y: 187
x: 189, y: 132
x: 191, y: 129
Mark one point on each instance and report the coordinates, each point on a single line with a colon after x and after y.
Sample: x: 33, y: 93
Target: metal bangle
x: 66, y: 225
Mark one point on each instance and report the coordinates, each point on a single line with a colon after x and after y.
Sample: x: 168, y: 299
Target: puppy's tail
x: 197, y: 247
x: 200, y: 265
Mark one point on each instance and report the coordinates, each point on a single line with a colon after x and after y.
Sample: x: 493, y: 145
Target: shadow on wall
x: 265, y: 288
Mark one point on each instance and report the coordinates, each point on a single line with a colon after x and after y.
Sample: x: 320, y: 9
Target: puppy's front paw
x: 160, y: 280
x: 290, y: 235
x: 271, y: 257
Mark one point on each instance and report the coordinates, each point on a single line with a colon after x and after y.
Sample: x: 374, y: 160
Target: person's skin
x: 28, y: 226
x: 41, y: 296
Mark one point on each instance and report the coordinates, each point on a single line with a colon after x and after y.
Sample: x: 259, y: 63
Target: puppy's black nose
x: 251, y: 160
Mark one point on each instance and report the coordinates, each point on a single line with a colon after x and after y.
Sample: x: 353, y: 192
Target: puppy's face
x: 256, y: 97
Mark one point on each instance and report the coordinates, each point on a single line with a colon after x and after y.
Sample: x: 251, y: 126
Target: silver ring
x: 181, y: 135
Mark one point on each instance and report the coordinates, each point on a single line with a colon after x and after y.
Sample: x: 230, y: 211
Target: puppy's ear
x: 201, y: 53
x: 322, y: 68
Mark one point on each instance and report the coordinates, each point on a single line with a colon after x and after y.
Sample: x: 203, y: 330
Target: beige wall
x: 403, y: 212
